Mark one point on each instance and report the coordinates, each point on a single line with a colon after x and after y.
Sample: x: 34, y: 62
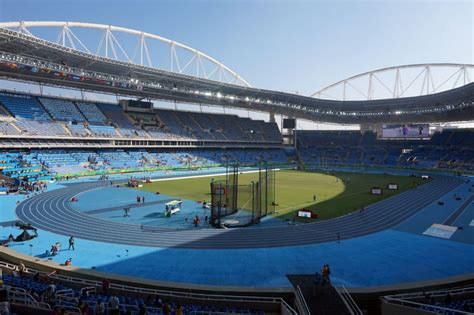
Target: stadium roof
x: 25, y: 57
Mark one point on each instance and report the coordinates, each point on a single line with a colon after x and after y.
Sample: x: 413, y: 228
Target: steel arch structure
x: 399, y: 81
x: 31, y: 59
x: 148, y: 49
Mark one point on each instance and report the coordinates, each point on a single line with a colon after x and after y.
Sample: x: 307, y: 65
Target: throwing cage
x: 234, y: 204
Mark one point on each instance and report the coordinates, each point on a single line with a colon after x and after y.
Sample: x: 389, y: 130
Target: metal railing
x: 71, y: 310
x: 407, y: 299
x: 20, y: 296
x: 301, y: 302
x: 349, y: 302
x: 434, y: 294
x: 431, y: 308
x: 167, y: 293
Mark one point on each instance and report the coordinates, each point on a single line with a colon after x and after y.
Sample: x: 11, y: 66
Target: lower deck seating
x: 450, y: 149
x: 79, y: 161
x: 22, y: 167
x: 75, y: 300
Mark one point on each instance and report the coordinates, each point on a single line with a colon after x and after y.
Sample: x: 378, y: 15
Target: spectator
x: 52, y: 288
x: 448, y: 298
x: 114, y: 305
x: 149, y: 300
x: 4, y: 303
x: 166, y: 308
x: 328, y: 273
x: 142, y: 310
x: 99, y: 307
x: 158, y: 302
x: 179, y: 309
x: 105, y: 285
x: 21, y: 268
x: 317, y: 282
x: 83, y: 306
x: 56, y: 310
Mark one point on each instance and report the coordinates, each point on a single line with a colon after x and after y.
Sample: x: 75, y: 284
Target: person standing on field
x: 71, y: 243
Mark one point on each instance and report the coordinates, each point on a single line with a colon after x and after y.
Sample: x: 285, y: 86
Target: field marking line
x: 200, y: 176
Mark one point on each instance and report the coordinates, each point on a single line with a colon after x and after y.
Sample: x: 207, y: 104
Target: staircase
x: 12, y: 123
x: 385, y: 151
x: 66, y: 129
x: 299, y: 160
x: 44, y: 107
x: 448, y: 140
x: 317, y: 300
x: 5, y: 110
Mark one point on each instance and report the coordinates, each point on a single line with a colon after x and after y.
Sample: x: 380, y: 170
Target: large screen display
x: 406, y: 131
x: 289, y: 123
x: 140, y: 104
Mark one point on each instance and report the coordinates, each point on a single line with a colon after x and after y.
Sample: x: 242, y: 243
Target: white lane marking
x: 200, y: 176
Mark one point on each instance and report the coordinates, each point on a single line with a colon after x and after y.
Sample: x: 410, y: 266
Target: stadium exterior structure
x: 28, y: 58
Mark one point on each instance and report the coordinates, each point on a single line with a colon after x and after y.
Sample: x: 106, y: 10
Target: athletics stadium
x: 120, y: 199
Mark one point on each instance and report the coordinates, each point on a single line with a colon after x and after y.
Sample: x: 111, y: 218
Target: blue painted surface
x: 383, y: 258
x: 388, y: 257
x: 8, y: 203
x: 466, y: 233
x: 436, y: 213
x: 112, y: 196
x: 151, y: 215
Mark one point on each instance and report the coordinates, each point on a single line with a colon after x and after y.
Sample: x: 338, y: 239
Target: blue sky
x: 286, y: 45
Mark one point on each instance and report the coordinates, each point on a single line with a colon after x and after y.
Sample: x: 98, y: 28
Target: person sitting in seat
x: 53, y: 250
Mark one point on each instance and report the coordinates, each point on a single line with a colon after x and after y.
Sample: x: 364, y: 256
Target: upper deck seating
x: 189, y: 123
x: 230, y: 127
x: 173, y: 125
x: 24, y: 106
x: 207, y: 124
x: 62, y: 110
x: 91, y: 113
x: 117, y: 116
